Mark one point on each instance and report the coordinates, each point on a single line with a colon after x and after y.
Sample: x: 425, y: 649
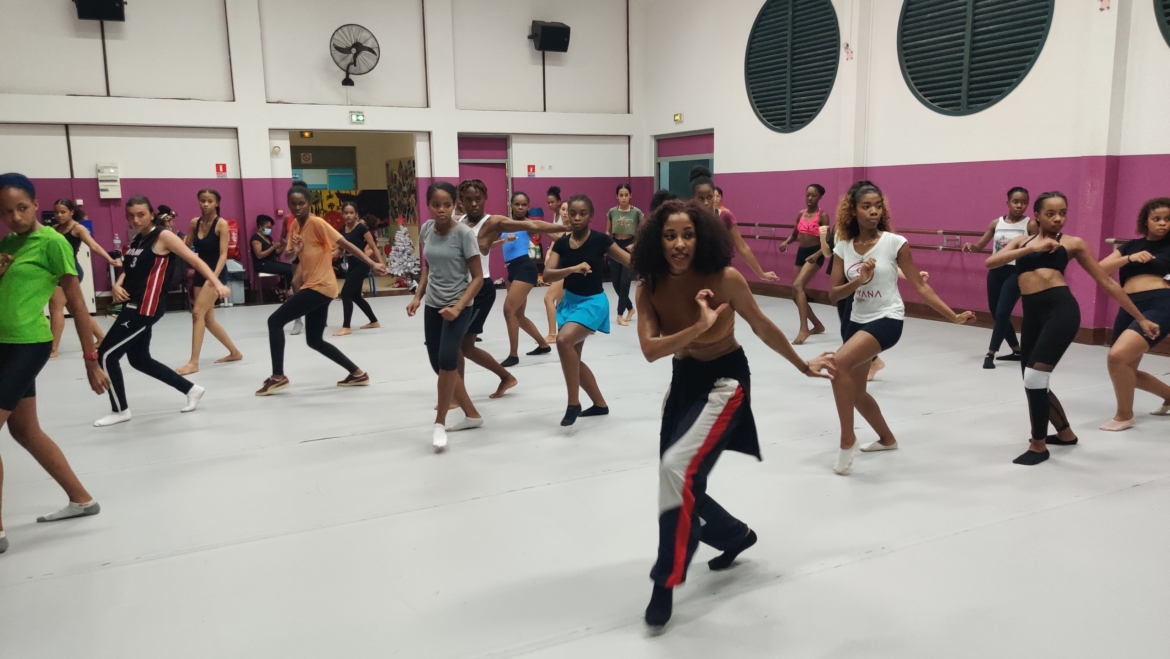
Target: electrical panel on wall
x: 109, y: 182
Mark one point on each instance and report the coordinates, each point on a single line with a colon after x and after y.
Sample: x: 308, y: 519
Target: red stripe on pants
x: 682, y: 533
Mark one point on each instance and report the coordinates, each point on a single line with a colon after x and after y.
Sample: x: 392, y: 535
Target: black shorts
x: 802, y: 254
x: 19, y: 365
x: 522, y: 269
x: 485, y: 299
x: 887, y: 331
x: 1155, y: 306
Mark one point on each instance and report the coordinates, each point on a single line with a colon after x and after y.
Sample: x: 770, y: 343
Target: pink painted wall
x: 1104, y: 193
x: 483, y: 148
x: 687, y: 145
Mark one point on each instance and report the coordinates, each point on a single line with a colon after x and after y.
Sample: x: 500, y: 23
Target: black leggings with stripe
x: 130, y: 336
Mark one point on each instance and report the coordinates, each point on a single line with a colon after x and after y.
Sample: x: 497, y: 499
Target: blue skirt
x: 591, y: 311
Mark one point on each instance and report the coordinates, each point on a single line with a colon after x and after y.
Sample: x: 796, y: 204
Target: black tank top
x: 146, y: 273
x: 73, y: 240
x: 1057, y: 260
x: 207, y: 247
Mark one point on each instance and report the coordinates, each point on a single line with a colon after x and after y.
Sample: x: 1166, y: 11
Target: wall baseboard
x: 1095, y: 336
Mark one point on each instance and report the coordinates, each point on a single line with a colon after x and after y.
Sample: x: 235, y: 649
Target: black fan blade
x: 344, y: 51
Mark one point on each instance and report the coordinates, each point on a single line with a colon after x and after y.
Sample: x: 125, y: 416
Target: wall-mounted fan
x: 354, y: 50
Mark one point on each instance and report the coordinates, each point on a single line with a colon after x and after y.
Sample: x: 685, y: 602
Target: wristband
x: 90, y: 356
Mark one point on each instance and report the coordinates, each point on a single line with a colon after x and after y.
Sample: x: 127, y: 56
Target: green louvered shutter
x: 791, y: 61
x: 962, y: 56
x: 1162, y: 9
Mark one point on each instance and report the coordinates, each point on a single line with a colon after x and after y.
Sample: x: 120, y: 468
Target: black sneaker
x: 1010, y: 357
x: 540, y: 351
x: 988, y: 362
x: 511, y: 361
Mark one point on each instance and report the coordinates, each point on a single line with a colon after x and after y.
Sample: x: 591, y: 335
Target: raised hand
x: 1045, y: 245
x: 866, y: 272
x: 583, y: 268
x: 707, y: 315
x: 1141, y: 257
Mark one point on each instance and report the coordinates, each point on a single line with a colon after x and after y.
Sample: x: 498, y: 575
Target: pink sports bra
x: 811, y: 227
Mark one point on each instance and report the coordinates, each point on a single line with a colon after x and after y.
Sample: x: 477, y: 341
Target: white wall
x: 1147, y: 95
x: 35, y: 151
x: 163, y: 50
x: 158, y: 153
x: 60, y: 55
x: 570, y: 156
x: 497, y: 67
x: 298, y: 68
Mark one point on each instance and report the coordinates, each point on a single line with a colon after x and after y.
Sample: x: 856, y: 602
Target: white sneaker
x: 298, y: 326
x: 466, y: 424
x: 844, y: 461
x: 439, y: 438
x: 878, y: 446
x: 1162, y: 411
x: 112, y: 419
x: 193, y: 397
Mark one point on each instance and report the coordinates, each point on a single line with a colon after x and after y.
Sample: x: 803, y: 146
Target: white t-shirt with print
x: 879, y: 297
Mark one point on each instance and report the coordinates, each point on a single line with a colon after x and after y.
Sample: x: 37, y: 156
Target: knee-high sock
x: 1039, y: 408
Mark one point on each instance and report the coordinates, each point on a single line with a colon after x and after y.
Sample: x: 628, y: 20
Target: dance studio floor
x: 318, y: 523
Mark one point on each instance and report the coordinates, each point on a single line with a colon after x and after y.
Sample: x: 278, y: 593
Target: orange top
x: 318, y: 240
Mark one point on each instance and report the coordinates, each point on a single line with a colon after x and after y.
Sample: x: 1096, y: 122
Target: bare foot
x: 53, y: 354
x: 344, y: 331
x: 818, y: 329
x: 373, y: 325
x: 622, y: 321
x: 505, y: 384
x: 876, y: 365
x: 234, y: 357
x: 801, y: 337
x: 629, y: 315
x: 187, y: 369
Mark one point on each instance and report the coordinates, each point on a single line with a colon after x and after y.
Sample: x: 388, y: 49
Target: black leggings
x: 1051, y: 320
x: 19, y: 365
x: 351, y: 293
x: 1003, y: 291
x: 279, y: 268
x: 315, y: 308
x: 130, y: 336
x: 444, y: 337
x: 621, y: 279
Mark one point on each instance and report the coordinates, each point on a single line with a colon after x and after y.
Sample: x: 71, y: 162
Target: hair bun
x: 163, y: 209
x: 555, y: 190
x: 699, y: 171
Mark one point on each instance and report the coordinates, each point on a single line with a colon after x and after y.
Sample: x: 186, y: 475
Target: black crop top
x: 1033, y: 261
x: 1160, y: 266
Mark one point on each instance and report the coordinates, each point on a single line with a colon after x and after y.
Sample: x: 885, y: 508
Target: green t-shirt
x: 40, y: 259
x: 624, y: 222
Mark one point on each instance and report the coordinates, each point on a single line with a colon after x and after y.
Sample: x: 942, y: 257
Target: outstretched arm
x: 745, y: 251
x: 914, y: 276
x: 616, y: 253
x: 1080, y: 251
x: 983, y: 240
x: 744, y: 304
x: 178, y: 248
x: 96, y: 248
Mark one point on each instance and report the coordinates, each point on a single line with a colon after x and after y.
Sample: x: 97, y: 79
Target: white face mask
x: 268, y: 231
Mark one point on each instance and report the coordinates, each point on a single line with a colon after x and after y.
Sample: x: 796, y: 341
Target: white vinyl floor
x: 319, y: 524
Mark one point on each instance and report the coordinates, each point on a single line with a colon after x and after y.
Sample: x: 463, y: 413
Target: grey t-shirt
x: 446, y: 258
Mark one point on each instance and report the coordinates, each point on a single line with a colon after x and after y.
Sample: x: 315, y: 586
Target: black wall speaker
x: 101, y: 10
x: 550, y: 37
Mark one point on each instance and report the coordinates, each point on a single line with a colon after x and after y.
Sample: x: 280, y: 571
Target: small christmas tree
x: 403, y: 261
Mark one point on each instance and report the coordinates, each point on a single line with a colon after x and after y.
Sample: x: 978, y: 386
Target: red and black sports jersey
x: 146, y: 273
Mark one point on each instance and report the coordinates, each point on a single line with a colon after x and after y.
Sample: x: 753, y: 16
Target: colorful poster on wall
x: 402, y: 188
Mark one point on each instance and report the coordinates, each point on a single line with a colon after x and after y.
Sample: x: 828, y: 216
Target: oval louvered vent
x: 1162, y: 9
x: 791, y: 61
x: 962, y: 56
